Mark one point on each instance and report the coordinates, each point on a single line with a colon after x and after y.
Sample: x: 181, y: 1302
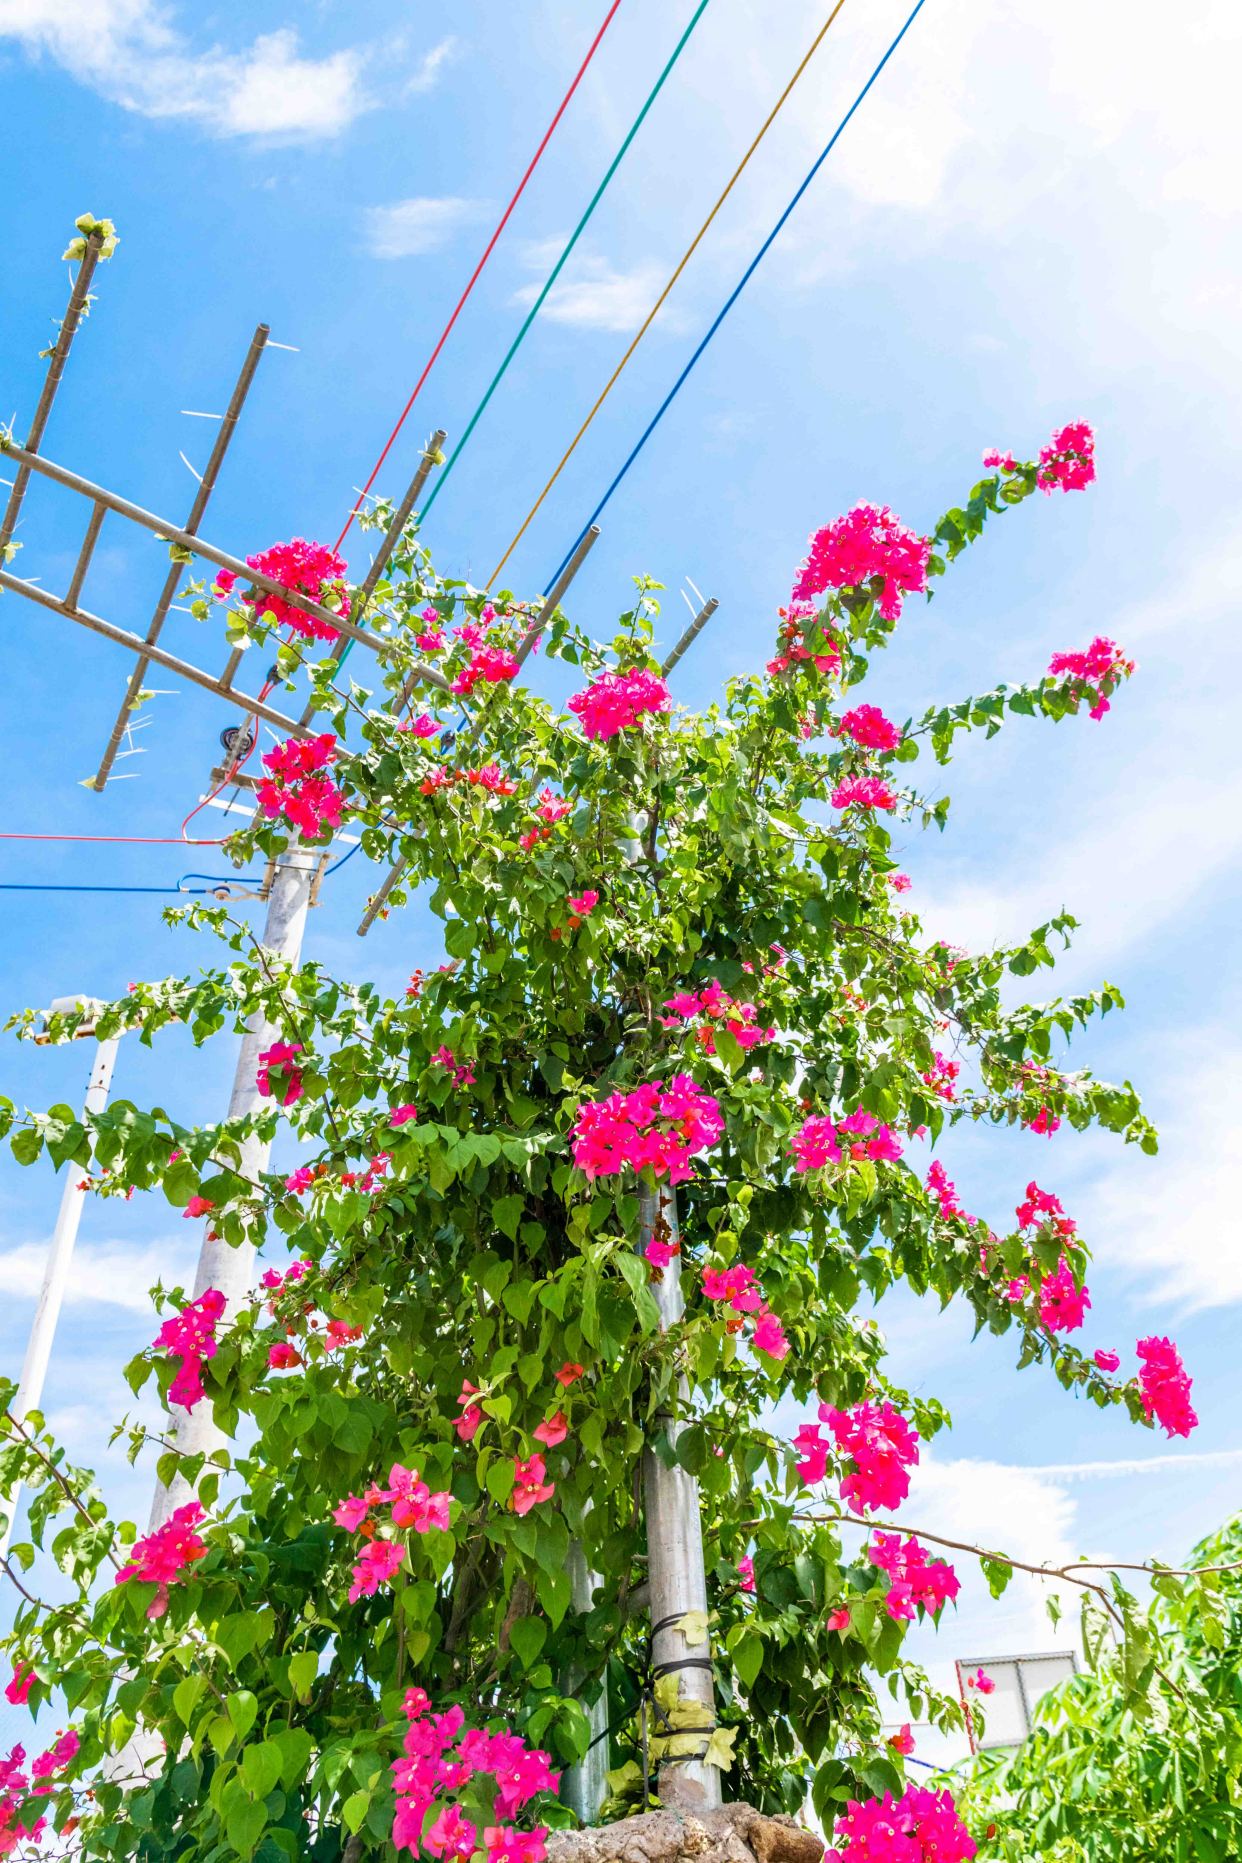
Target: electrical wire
x: 474, y: 276
x: 731, y: 300
x: 115, y: 840
x: 682, y: 263
x: 11, y: 886
x: 443, y: 475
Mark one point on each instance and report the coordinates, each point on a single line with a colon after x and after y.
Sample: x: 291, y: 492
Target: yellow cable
x: 654, y: 312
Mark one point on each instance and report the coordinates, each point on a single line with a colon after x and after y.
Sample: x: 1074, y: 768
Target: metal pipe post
x: 675, y: 1554
x: 228, y: 1269
x: 56, y: 1274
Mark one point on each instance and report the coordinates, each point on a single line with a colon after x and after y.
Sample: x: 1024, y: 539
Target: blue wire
x: 731, y: 300
x: 10, y: 886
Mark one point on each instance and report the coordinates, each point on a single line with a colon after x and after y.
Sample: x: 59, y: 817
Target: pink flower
x: 504, y: 1844
x: 868, y: 542
x: 902, y: 1741
x: 660, y: 1254
x: 568, y: 1374
x: 981, y: 1681
x: 529, y: 1484
x: 300, y: 1180
x: 493, y: 665
x: 190, y: 1337
x: 868, y: 726
x: 863, y: 792
x: 746, y: 1573
x: 812, y: 1463
x: 1004, y: 462
x: 283, y: 1357
x: 839, y: 1619
x: 310, y: 569
x: 1068, y: 461
x: 1107, y: 1361
x: 277, y: 1077
x: 402, y: 1115
x: 414, y: 1505
x: 162, y: 1556
x: 378, y: 1562
x: 452, y: 1835
x: 921, y: 1826
x: 552, y: 1431
x: 815, y: 1144
x: 297, y: 788
x: 882, y: 1446
x: 471, y: 1418
x: 1044, y: 1122
x: 198, y: 1206
x: 422, y: 726
x: 584, y: 904
x: 914, y: 1578
x: 900, y: 882
x: 944, y: 1190
x: 1093, y: 674
x: 1062, y: 1303
x: 1164, y: 1387
x: 18, y: 1689
x: 769, y: 1336
x: 655, y: 1127
x: 619, y: 701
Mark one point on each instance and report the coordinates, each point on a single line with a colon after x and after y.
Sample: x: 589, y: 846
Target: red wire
x: 132, y: 840
x: 474, y: 276
x: 432, y: 358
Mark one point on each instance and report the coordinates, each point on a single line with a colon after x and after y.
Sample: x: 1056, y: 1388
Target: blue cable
x: 10, y: 886
x: 731, y: 300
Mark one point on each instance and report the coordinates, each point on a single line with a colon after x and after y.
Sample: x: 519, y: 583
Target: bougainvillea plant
x: 677, y: 951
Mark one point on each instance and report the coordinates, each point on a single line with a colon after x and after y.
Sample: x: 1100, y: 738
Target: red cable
x: 133, y: 840
x: 474, y: 276
x: 431, y: 360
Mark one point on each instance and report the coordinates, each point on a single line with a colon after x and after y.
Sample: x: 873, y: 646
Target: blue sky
x: 1028, y: 222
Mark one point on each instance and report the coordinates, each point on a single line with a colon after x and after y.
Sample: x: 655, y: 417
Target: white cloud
x: 596, y: 296
x: 403, y: 229
x: 113, y: 1274
x: 1173, y: 1220
x: 430, y: 67
x: 131, y: 52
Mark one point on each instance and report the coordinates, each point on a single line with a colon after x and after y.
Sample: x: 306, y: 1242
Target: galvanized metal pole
x: 675, y: 1568
x: 56, y: 1274
x: 586, y: 1783
x: 231, y: 1270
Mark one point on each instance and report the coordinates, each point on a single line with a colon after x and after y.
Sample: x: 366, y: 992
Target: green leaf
x: 528, y: 1636
x: 241, y: 1708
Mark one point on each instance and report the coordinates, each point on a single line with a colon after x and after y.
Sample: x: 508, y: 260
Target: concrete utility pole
x: 60, y: 1254
x: 675, y: 1555
x: 231, y: 1270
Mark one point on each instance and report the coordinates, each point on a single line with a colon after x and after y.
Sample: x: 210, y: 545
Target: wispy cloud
x: 429, y: 67
x: 131, y: 52
x: 403, y: 229
x: 596, y: 295
x: 112, y: 1274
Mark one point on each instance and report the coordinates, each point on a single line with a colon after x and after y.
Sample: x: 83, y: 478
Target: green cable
x: 556, y: 271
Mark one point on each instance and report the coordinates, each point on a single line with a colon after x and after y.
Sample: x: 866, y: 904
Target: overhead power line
x: 680, y: 267
x: 736, y: 293
x: 477, y: 272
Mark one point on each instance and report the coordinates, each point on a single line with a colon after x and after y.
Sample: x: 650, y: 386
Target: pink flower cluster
x: 1094, y: 673
x: 867, y: 542
x: 17, y: 1691
x: 161, y: 1557
x: 440, y: 1757
x: 818, y: 1140
x: 738, y: 1287
x: 941, y: 1077
x: 1062, y: 1303
x: 1040, y: 1203
x: 491, y: 665
x: 863, y: 792
x: 413, y: 1506
x: 1164, y: 1386
x: 619, y: 701
x: 714, y: 1005
x: 530, y: 1480
x: 792, y: 648
x: 653, y: 1126
x: 879, y: 1441
x: 277, y: 1077
x: 914, y: 1578
x: 310, y: 569
x: 463, y: 1074
x: 944, y: 1190
x: 15, y: 1786
x: 549, y: 810
x: 921, y: 1826
x: 868, y: 726
x: 190, y: 1336
x: 1068, y: 460
x: 297, y: 787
